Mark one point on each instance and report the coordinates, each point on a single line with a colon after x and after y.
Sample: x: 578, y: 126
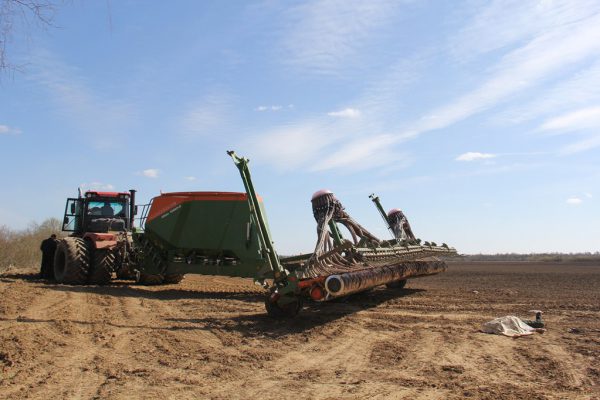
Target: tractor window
x: 106, y: 209
x: 71, y: 218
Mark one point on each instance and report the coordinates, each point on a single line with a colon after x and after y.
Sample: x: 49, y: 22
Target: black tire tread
x: 125, y: 274
x: 151, y: 279
x: 77, y: 260
x: 103, y: 264
x: 396, y: 284
x: 173, y: 278
x: 149, y: 252
x: 290, y: 310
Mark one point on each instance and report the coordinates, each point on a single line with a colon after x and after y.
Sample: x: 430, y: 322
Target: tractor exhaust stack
x: 131, y: 207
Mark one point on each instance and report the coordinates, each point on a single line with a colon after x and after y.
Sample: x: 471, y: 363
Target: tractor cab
x: 100, y: 212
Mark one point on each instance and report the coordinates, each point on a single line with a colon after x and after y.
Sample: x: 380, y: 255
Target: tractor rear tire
x: 396, y: 284
x: 103, y: 264
x: 173, y: 278
x: 72, y: 261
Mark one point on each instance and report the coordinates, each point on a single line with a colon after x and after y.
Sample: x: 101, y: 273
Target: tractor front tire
x: 103, y: 264
x: 396, y: 284
x: 72, y: 261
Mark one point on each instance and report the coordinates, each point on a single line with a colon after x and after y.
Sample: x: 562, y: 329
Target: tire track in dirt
x: 209, y: 338
x: 58, y: 324
x: 153, y: 329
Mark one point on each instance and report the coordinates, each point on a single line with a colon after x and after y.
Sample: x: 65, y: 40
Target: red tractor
x: 100, y: 243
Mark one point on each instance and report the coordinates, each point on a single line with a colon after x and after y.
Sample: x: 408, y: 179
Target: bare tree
x: 17, y: 17
x: 22, y: 247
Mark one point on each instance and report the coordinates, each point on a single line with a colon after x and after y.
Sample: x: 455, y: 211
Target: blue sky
x: 481, y: 120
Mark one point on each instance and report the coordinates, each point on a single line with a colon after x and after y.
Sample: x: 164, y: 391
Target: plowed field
x: 209, y: 337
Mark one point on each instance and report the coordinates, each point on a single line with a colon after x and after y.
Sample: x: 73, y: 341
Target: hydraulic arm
x: 284, y: 296
x: 267, y: 247
x: 379, y: 207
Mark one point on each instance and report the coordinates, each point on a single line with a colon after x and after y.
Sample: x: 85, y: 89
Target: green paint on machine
x: 206, y: 236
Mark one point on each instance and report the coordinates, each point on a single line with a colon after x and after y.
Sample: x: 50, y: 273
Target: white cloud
x: 150, y: 173
x: 271, y: 108
x: 472, y: 156
x: 7, y: 130
x: 541, y: 58
x: 582, y: 145
x: 579, y: 90
x: 103, y: 120
x: 97, y: 186
x: 207, y: 116
x: 534, y: 57
x: 190, y: 178
x: 345, y: 113
x: 290, y: 146
x: 546, y: 52
x: 502, y: 23
x: 364, y: 144
x: 574, y: 201
x: 575, y: 120
x: 363, y: 153
x: 327, y: 36
x: 584, y: 121
x: 313, y: 142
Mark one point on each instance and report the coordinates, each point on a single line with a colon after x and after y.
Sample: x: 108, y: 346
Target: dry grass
x: 22, y: 247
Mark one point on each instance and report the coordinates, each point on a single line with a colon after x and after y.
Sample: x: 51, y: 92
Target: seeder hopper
x: 216, y: 233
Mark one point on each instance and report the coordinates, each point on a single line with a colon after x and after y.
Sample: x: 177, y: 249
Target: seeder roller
x: 217, y: 233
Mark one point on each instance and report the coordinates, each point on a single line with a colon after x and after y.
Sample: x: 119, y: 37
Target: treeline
x: 536, y: 257
x: 22, y: 248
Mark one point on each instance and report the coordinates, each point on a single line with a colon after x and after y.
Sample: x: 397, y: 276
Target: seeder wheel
x: 396, y: 284
x: 287, y: 310
x: 173, y: 278
x: 150, y: 279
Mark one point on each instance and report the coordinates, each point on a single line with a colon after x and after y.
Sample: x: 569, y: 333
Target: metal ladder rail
x: 144, y: 214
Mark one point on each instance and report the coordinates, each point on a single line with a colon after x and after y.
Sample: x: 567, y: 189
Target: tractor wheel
x: 289, y: 310
x: 151, y: 279
x: 103, y: 264
x: 396, y: 284
x: 173, y: 278
x: 150, y: 254
x: 72, y: 261
x: 125, y: 274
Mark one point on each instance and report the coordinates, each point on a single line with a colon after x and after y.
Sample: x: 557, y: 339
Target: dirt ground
x: 209, y: 337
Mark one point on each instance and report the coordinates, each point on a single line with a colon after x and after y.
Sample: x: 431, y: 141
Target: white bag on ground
x: 508, y: 326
